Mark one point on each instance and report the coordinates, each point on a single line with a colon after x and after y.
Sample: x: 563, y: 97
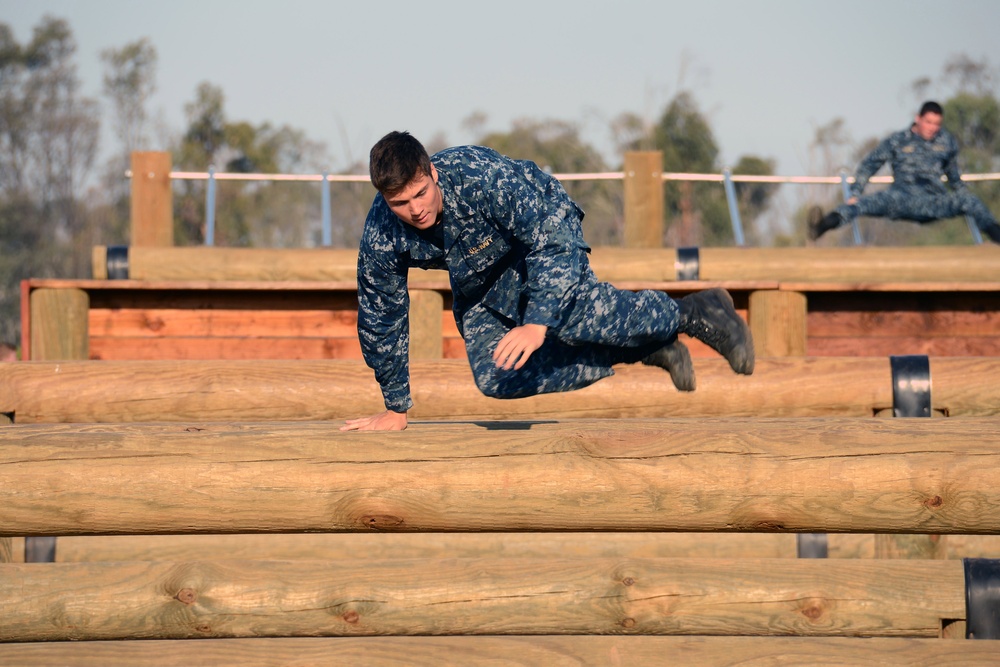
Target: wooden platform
x: 318, y: 320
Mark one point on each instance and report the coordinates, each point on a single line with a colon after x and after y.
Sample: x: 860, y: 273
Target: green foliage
x: 258, y: 213
x: 697, y: 213
x: 48, y: 143
x: 556, y: 147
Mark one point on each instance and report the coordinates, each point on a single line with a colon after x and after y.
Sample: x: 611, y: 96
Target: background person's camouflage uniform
x: 917, y: 192
x: 512, y: 242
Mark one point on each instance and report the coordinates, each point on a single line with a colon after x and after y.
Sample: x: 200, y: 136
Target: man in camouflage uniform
x: 533, y: 316
x: 919, y: 156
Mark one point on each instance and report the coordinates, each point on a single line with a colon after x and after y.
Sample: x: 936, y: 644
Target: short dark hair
x: 396, y: 160
x: 931, y: 106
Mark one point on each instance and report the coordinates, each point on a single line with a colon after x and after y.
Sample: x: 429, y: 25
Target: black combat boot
x: 820, y: 224
x: 710, y: 317
x: 676, y: 360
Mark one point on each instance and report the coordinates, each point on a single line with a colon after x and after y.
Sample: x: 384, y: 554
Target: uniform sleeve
x: 951, y: 169
x: 870, y: 164
x: 383, y: 308
x: 543, y: 218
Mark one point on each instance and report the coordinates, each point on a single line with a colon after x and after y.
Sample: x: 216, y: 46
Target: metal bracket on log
x: 117, y: 262
x: 982, y: 598
x: 687, y: 264
x: 911, y: 385
x: 812, y: 545
x: 39, y: 550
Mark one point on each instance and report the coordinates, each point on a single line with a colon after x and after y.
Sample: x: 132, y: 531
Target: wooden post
x: 643, y: 199
x: 911, y: 546
x: 778, y: 323
x: 59, y: 327
x: 426, y: 307
x: 152, y: 201
x: 6, y: 549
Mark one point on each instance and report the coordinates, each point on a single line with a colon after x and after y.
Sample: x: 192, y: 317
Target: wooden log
x: 865, y: 265
x: 345, y: 546
x: 200, y: 263
x: 778, y: 323
x: 59, y: 324
x: 553, y: 651
x: 643, y: 188
x: 152, y: 200
x: 712, y: 474
x: 240, y: 598
x: 139, y: 391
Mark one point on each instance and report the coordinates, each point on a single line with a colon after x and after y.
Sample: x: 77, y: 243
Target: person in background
x: 921, y: 156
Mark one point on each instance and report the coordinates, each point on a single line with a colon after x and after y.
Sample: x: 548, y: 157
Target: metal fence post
x: 210, y: 208
x: 846, y: 188
x: 326, y: 223
x: 734, y: 209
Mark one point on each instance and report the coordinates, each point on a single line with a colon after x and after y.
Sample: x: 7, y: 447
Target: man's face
x: 928, y: 125
x: 418, y: 204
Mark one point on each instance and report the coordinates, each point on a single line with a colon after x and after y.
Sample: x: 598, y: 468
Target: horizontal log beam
x: 345, y: 546
x: 884, y: 264
x: 555, y: 651
x: 253, y: 598
x: 142, y: 391
x: 710, y: 474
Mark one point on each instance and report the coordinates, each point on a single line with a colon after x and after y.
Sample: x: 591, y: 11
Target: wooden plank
x: 347, y: 546
x: 252, y: 598
x: 119, y: 348
x: 206, y: 322
x: 711, y: 474
x: 904, y: 314
x: 152, y: 200
x: 138, y: 391
x: 878, y: 346
x: 851, y: 265
x: 554, y: 651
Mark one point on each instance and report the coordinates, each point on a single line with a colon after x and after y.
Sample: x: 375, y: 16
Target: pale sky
x: 766, y: 72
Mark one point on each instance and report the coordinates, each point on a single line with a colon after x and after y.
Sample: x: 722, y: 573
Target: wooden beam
x: 649, y: 262
x: 557, y: 651
x: 643, y: 199
x: 778, y: 323
x: 251, y: 598
x: 152, y: 200
x: 426, y: 341
x: 59, y: 325
x: 711, y: 474
x: 138, y: 391
x: 346, y: 546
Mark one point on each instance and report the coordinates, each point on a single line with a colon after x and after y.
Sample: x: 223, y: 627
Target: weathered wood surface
x: 152, y: 220
x: 847, y: 265
x: 706, y: 474
x: 60, y: 330
x: 253, y: 598
x: 643, y: 194
x: 553, y: 651
x: 140, y: 391
x: 346, y: 546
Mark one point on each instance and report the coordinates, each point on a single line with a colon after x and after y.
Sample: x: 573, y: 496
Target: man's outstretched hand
x: 514, y: 349
x: 383, y: 421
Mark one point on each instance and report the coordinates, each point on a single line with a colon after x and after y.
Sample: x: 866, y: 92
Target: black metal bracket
x: 39, y: 550
x: 117, y: 262
x: 687, y: 264
x: 812, y: 545
x: 982, y: 598
x: 911, y: 385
